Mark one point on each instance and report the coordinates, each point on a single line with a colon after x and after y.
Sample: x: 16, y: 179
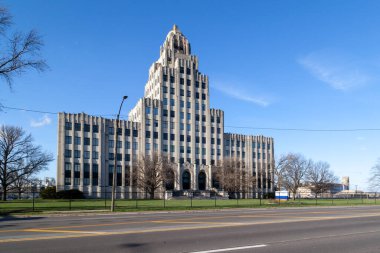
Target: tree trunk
x: 4, y: 196
x: 151, y: 194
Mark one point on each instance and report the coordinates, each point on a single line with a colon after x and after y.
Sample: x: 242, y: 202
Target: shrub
x: 48, y: 193
x: 70, y: 194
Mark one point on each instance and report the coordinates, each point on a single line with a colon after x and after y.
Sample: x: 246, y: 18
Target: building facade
x: 173, y: 118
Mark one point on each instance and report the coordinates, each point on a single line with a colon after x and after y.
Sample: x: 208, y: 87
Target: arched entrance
x: 186, y: 180
x: 169, y: 181
x: 202, y: 181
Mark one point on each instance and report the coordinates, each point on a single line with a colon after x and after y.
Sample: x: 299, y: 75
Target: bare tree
x: 233, y: 177
x: 319, y: 177
x: 292, y: 172
x: 374, y: 180
x: 20, y: 51
x: 153, y: 173
x: 19, y: 157
x: 22, y: 183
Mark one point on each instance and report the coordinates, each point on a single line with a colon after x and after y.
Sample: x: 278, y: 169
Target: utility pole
x: 115, y: 158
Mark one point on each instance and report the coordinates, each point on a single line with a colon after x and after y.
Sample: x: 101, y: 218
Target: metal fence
x: 133, y: 201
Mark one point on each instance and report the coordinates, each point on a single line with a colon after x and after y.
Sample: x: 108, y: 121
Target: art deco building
x: 173, y: 118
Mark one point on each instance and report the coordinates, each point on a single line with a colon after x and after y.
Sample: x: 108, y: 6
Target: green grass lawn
x: 14, y: 206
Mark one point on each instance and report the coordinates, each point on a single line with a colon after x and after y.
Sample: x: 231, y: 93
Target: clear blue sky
x: 281, y: 64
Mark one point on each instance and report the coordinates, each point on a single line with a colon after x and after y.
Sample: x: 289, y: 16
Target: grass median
x: 41, y: 205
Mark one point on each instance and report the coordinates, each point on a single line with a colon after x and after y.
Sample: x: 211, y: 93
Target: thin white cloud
x: 239, y: 94
x: 45, y: 120
x: 340, y: 72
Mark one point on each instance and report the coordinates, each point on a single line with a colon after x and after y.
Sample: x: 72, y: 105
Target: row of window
x: 182, y: 81
x: 165, y: 102
x: 259, y: 155
x: 198, y: 95
x: 254, y: 144
x: 95, y: 129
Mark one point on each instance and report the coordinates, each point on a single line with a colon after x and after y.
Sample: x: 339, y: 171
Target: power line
x: 305, y: 129
x: 228, y: 126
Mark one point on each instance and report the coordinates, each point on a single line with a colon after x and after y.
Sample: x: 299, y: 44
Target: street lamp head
x: 125, y: 97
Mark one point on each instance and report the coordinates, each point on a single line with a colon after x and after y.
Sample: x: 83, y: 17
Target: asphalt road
x: 293, y: 230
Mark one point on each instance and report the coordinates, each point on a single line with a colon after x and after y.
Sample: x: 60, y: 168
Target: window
x: 188, y: 150
x: 181, y: 81
x: 172, y: 114
x: 197, y: 117
x: 110, y: 143
x: 76, y: 153
x: 203, y: 107
x: 86, y: 128
x: 196, y: 139
x: 188, y: 116
x: 197, y: 151
x: 119, y: 157
x: 77, y: 140
x: 181, y: 70
x: 135, y: 133
x: 212, y: 130
x: 188, y: 93
x: 182, y: 149
x: 181, y: 92
x: 212, y: 141
x: 203, y: 86
x: 155, y: 111
x: 147, y: 110
x: 188, y: 104
x: 127, y: 132
x: 258, y: 155
x: 203, y: 96
x: 182, y: 126
x: 86, y: 141
x: 188, y: 127
x: 204, y: 151
x: 147, y: 134
x: 86, y: 154
x: 164, y: 124
x: 196, y: 95
x: 165, y: 113
x: 147, y: 146
x: 203, y: 140
x: 197, y: 84
x: 155, y: 135
x: 67, y: 153
x: 77, y: 126
x: 188, y: 138
x: 94, y: 174
x: 172, y: 102
x: 196, y: 106
x: 111, y: 156
x: 95, y: 128
x: 165, y: 136
x: 182, y: 137
x: 119, y: 144
x: 147, y: 122
x: 172, y: 148
x: 95, y: 155
x: 188, y: 82
x: 218, y: 141
x: 165, y: 148
x: 165, y: 101
x: 165, y: 78
x: 203, y: 117
x: 182, y: 115
x: 188, y: 71
x: 182, y: 103
x: 172, y: 137
x: 111, y: 131
x: 68, y: 125
x: 135, y: 145
x: 172, y: 91
x: 68, y: 139
x: 165, y: 89
x: 95, y: 141
x: 127, y: 145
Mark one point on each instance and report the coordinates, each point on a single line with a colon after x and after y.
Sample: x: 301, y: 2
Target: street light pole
x: 115, y: 157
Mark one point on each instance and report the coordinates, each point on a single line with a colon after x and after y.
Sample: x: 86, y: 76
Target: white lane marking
x: 231, y: 249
